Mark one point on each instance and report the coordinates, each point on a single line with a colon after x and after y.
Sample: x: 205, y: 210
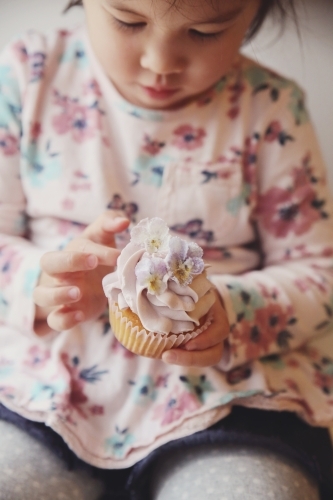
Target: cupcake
x: 159, y: 296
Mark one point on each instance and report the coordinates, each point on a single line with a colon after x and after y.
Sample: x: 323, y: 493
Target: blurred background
x: 306, y: 57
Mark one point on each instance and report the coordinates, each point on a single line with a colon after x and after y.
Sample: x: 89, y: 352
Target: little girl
x: 149, y: 110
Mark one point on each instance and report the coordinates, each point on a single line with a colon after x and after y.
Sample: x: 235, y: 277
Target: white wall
x: 309, y: 61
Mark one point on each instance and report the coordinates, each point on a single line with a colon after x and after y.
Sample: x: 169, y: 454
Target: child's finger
x: 61, y: 262
x: 103, y: 228
x: 107, y: 256
x: 208, y: 338
x: 55, y: 296
x: 207, y: 357
x: 64, y: 261
x: 59, y: 320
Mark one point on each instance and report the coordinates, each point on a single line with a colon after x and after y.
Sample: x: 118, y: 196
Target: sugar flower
x: 151, y: 273
x: 152, y: 234
x: 184, y: 260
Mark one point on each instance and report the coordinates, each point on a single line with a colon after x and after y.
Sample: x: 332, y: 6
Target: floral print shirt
x: 238, y: 171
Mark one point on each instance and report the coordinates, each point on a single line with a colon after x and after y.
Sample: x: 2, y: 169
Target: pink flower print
x: 92, y: 87
x: 233, y: 112
x: 292, y: 363
x: 249, y: 158
x: 324, y: 381
x: 35, y: 130
x: 152, y: 146
x: 273, y: 131
x: 10, y: 261
x: 175, y: 406
x: 327, y: 252
x: 292, y: 385
x: 96, y: 410
x: 37, y: 357
x: 206, y: 98
x: 9, y: 144
x: 21, y: 51
x: 270, y: 326
x: 188, y: 137
x: 37, y: 65
x: 82, y: 121
x: 64, y: 33
x: 288, y: 210
x: 68, y: 204
x: 236, y: 91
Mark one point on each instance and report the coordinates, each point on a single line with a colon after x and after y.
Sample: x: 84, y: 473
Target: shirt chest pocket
x: 202, y: 202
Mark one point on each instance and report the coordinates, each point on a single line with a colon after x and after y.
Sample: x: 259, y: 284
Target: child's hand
x: 70, y: 286
x: 207, y: 348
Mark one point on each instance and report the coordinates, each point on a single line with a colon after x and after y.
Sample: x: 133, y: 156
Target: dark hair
x: 279, y: 8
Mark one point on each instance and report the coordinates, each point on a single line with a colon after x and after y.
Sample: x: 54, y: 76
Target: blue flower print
x: 297, y: 106
x: 30, y: 280
x: 149, y: 169
x: 245, y: 302
x: 235, y: 204
x: 3, y: 305
x: 119, y: 443
x: 274, y: 361
x: 6, y: 368
x: 10, y: 105
x: 194, y: 229
x: 230, y: 396
x: 42, y: 392
x: 140, y: 113
x: 37, y: 65
x: 42, y: 167
x: 264, y: 80
x: 76, y: 52
x: 198, y: 385
x: 144, y: 390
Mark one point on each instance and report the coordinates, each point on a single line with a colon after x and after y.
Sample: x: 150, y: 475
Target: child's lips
x: 160, y: 92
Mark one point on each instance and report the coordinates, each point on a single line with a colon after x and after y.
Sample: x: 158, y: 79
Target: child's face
x: 160, y: 56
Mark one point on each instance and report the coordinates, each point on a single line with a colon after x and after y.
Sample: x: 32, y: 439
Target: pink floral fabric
x: 238, y: 172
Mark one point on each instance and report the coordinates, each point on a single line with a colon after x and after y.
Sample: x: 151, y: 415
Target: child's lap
x: 260, y: 443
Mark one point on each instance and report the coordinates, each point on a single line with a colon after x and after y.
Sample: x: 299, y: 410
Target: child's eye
x: 199, y: 35
x: 128, y: 26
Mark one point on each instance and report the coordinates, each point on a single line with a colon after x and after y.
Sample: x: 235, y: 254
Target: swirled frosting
x: 161, y: 279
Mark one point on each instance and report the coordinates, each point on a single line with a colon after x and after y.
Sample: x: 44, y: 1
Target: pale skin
x: 178, y: 52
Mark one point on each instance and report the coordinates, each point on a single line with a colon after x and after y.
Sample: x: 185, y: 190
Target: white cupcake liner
x: 143, y: 342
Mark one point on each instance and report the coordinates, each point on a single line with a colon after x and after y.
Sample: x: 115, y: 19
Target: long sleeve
x: 19, y: 259
x: 290, y: 298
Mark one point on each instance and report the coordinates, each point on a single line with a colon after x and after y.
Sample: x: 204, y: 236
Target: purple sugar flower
x: 152, y: 273
x: 184, y: 260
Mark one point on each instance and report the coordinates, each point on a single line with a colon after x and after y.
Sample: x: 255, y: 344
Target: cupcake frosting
x: 162, y: 279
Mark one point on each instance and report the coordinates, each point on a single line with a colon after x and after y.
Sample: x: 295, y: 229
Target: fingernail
x: 92, y: 261
x: 170, y: 357
x: 109, y: 225
x: 79, y: 316
x: 73, y: 293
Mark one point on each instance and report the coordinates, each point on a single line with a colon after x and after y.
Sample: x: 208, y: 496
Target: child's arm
x: 19, y: 258
x: 70, y: 287
x: 290, y: 300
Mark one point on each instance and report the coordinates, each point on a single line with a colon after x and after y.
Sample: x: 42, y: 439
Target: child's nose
x: 162, y: 59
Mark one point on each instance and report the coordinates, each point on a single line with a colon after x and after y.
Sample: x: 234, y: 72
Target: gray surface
x: 29, y: 471
x: 233, y: 473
